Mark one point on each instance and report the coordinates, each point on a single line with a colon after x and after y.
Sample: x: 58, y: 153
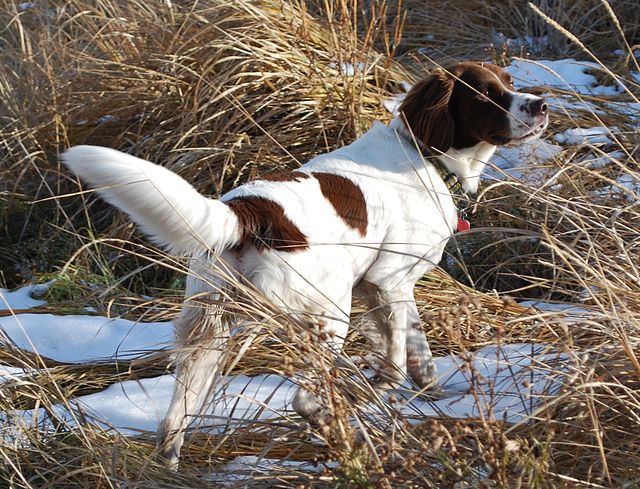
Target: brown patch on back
x: 346, y: 198
x: 293, y: 176
x: 264, y: 224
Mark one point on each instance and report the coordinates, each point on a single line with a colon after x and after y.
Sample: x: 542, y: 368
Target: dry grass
x: 223, y: 91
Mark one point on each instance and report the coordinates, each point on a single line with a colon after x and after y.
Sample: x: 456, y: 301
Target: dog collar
x: 460, y: 197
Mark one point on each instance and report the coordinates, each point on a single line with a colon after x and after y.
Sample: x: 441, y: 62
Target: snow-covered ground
x: 21, y: 298
x: 72, y: 338
x: 567, y: 74
x: 502, y: 382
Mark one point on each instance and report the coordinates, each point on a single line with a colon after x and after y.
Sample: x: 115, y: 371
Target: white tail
x: 166, y: 207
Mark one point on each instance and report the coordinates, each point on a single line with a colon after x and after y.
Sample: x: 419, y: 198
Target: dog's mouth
x: 534, y: 132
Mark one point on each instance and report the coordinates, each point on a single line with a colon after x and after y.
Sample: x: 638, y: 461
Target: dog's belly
x: 315, y: 281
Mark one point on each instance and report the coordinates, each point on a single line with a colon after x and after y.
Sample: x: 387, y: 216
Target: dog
x: 375, y: 214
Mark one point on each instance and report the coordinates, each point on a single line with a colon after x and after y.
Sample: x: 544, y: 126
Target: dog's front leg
x: 420, y: 365
x: 407, y: 346
x: 397, y: 303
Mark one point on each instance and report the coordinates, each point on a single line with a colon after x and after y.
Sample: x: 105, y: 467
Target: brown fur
x: 426, y: 110
x: 293, y: 176
x: 265, y: 225
x: 346, y: 198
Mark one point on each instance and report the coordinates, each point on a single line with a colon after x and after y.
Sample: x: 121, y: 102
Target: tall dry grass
x: 222, y: 91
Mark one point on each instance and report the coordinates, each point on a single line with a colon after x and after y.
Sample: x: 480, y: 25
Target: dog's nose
x: 537, y: 107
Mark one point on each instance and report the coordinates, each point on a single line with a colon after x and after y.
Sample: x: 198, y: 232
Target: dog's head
x: 469, y: 103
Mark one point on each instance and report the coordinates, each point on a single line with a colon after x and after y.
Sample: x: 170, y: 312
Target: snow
x: 528, y: 43
x: 594, y: 162
x: 247, y: 467
x: 107, y: 118
x: 24, y: 6
x: 568, y: 311
x: 21, y: 298
x: 569, y: 104
x: 75, y: 338
x: 520, y: 161
x: 133, y: 406
x: 592, y: 135
x: 626, y: 185
x: 392, y: 104
x: 567, y: 74
x: 349, y: 69
x: 505, y: 382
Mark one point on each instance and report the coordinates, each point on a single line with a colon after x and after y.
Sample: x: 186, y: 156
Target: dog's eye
x: 484, y: 94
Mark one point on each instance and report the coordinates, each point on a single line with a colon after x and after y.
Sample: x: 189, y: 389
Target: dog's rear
x: 176, y: 216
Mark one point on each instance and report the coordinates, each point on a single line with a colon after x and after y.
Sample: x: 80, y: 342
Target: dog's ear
x: 425, y: 110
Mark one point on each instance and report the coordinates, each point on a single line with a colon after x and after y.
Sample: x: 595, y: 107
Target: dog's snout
x: 538, y: 106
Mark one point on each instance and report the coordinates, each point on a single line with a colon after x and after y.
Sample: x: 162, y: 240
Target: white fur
x: 523, y: 123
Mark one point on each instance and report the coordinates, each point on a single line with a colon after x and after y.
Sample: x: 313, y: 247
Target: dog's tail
x: 165, y: 206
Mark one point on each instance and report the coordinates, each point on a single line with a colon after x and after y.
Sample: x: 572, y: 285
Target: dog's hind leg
x: 201, y: 333
x: 331, y: 328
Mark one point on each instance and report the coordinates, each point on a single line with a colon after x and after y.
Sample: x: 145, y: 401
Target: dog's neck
x: 466, y: 163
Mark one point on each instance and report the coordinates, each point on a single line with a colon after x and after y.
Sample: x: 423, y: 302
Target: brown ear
x: 426, y: 111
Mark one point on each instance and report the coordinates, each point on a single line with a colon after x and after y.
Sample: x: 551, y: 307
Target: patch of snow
x: 569, y: 312
x: 561, y: 307
x: 22, y: 298
x: 567, y: 103
x: 595, y: 162
x: 507, y: 382
x: 82, y: 338
x: 501, y: 382
x: 134, y: 406
x: 592, y: 135
x: 107, y: 118
x: 630, y: 182
x: 567, y: 74
x: 246, y: 468
x: 629, y: 109
x: 7, y: 372
x: 519, y: 161
x: 393, y: 103
x: 24, y: 6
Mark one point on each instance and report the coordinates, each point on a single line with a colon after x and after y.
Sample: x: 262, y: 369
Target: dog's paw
x: 422, y: 370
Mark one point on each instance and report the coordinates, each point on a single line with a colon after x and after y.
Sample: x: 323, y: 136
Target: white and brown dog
x: 376, y: 213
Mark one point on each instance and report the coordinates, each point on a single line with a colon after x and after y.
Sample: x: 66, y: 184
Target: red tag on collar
x: 463, y: 225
